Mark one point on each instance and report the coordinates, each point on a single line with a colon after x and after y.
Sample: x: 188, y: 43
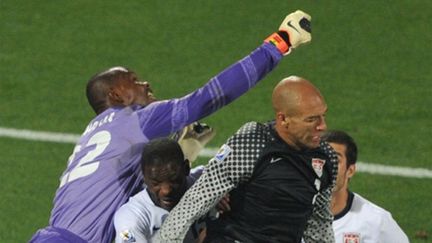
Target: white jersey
x: 364, y: 222
x: 139, y: 219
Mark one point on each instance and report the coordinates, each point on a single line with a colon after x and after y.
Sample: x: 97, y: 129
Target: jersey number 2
x: 84, y: 168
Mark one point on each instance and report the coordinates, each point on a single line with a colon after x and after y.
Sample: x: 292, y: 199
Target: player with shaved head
x: 279, y: 176
x: 104, y: 168
x: 293, y: 97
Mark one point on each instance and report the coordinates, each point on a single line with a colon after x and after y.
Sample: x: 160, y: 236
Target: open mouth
x: 316, y: 140
x: 168, y: 200
x: 169, y: 203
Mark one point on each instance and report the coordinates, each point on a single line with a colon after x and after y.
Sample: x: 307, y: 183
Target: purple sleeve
x: 164, y: 117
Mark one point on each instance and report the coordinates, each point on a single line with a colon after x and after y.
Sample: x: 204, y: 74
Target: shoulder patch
x: 222, y: 153
x: 127, y: 236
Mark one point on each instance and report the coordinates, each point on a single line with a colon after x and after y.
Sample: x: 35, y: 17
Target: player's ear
x: 114, y: 96
x: 187, y: 167
x: 282, y: 119
x: 351, y: 170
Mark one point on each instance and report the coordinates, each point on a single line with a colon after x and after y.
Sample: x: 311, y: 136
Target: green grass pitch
x: 371, y: 60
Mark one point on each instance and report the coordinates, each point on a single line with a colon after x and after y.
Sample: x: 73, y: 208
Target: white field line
x: 210, y: 152
x: 39, y: 135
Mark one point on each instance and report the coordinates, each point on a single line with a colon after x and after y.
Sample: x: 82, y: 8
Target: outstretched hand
x: 298, y: 27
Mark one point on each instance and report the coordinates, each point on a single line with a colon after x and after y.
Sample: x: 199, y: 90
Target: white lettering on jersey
x: 92, y: 126
x: 86, y: 165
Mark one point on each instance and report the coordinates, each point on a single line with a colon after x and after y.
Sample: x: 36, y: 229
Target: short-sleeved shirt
x: 139, y: 218
x: 364, y: 222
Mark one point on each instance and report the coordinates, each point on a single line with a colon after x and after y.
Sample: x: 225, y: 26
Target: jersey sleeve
x: 129, y: 226
x: 164, y: 117
x: 319, y: 226
x: 390, y: 230
x: 230, y: 166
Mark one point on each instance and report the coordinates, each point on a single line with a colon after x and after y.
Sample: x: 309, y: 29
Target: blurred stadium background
x: 371, y: 60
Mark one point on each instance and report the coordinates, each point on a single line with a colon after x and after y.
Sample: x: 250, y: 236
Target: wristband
x: 277, y: 40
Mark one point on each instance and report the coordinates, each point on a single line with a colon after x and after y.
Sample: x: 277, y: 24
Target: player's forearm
x: 322, y: 219
x: 232, y: 82
x: 172, y: 115
x: 197, y: 201
x: 294, y: 31
x: 243, y: 75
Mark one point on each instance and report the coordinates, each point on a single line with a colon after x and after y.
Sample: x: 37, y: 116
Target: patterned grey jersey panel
x: 246, y: 146
x: 319, y: 226
x: 233, y: 164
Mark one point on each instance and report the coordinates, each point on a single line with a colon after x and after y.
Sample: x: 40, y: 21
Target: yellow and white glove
x: 294, y: 31
x: 193, y: 138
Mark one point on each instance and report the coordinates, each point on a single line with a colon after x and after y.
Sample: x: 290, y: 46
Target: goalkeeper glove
x: 193, y: 139
x: 294, y: 31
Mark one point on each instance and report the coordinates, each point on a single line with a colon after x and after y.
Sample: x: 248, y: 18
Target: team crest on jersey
x: 318, y: 165
x: 351, y: 238
x: 222, y: 153
x: 127, y: 236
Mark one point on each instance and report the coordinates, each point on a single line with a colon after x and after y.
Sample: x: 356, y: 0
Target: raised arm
x: 164, y: 117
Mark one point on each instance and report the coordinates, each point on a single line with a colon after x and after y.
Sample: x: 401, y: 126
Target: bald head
x: 290, y: 94
x: 99, y: 86
x: 299, y: 112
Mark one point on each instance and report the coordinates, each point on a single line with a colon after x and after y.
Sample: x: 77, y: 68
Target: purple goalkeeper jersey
x: 104, y: 169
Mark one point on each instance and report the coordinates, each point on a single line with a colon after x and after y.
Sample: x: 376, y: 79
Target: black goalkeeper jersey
x: 277, y: 194
x: 275, y: 203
